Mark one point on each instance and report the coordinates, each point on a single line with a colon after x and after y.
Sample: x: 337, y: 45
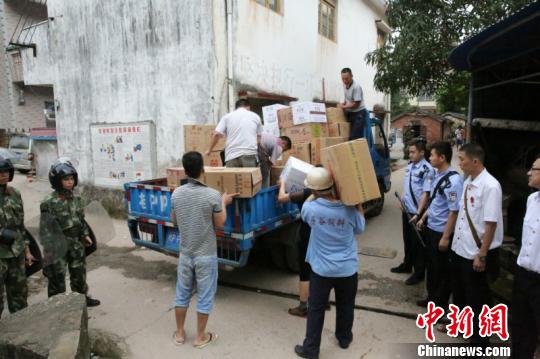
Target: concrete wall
x: 284, y: 53
x: 133, y: 60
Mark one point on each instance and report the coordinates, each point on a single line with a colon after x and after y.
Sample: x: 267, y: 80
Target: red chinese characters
x: 494, y: 321
x: 429, y: 319
x: 460, y: 322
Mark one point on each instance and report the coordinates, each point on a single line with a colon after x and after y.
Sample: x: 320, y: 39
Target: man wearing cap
x: 332, y: 255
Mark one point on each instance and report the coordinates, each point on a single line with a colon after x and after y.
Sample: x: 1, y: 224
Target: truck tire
x: 375, y: 207
x: 291, y: 255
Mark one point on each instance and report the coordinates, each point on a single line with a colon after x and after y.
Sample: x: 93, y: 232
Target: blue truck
x: 248, y: 219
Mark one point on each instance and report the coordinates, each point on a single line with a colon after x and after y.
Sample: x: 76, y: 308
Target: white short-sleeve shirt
x: 529, y: 255
x: 241, y: 128
x: 484, y: 201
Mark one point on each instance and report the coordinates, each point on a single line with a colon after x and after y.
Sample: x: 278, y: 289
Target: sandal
x: 212, y: 337
x: 298, y: 311
x: 176, y: 340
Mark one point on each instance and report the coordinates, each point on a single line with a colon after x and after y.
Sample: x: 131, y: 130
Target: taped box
x: 306, y: 132
x: 198, y: 138
x: 317, y: 144
x: 294, y: 174
x: 244, y: 181
x: 352, y: 169
x: 340, y: 129
x: 335, y: 115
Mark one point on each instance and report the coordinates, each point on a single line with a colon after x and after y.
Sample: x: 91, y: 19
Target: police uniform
x: 12, y: 244
x: 526, y: 294
x: 67, y: 211
x: 445, y: 191
x: 483, y: 196
x: 417, y: 180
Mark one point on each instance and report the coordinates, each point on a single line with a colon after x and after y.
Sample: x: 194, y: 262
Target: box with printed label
x: 306, y: 132
x: 244, y: 181
x: 294, y: 174
x: 213, y: 159
x: 319, y: 143
x: 352, y: 169
x: 198, y: 138
x: 335, y: 115
x: 308, y: 112
x: 340, y: 129
x: 270, y: 119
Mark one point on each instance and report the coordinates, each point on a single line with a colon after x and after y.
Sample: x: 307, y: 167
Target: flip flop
x: 176, y: 341
x: 212, y: 337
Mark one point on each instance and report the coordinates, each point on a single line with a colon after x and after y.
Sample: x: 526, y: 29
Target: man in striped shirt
x: 198, y: 210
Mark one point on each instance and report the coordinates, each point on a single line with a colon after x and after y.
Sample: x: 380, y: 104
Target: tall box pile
x: 352, y: 169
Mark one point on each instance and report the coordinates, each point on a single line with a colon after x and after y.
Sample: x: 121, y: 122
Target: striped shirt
x: 194, y: 205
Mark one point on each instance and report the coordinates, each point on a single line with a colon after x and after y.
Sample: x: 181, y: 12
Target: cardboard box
x: 285, y: 118
x: 275, y: 173
x: 319, y: 143
x: 245, y: 181
x: 175, y: 176
x: 300, y: 150
x: 198, y: 138
x: 335, y: 115
x: 351, y: 166
x: 340, y: 129
x: 308, y: 112
x: 213, y: 160
x: 270, y: 119
x: 294, y: 174
x: 305, y: 133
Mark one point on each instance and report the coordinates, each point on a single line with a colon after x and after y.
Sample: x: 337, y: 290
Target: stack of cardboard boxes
x: 198, y: 138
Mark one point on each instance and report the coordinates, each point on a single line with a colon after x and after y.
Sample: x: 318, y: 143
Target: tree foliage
x: 415, y: 56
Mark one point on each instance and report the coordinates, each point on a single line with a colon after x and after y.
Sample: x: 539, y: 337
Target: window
x: 271, y: 4
x: 327, y: 19
x: 381, y: 38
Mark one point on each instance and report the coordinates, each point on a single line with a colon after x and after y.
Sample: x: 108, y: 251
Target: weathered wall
x: 432, y: 127
x: 39, y: 69
x: 284, y: 53
x: 133, y: 60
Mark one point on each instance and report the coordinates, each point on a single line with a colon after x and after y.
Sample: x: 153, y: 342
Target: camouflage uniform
x: 12, y: 267
x: 68, y: 211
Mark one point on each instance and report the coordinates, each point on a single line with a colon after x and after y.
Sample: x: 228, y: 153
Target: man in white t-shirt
x: 478, y: 235
x: 243, y: 129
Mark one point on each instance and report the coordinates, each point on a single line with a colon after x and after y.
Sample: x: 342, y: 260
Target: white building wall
x: 284, y: 53
x: 132, y: 60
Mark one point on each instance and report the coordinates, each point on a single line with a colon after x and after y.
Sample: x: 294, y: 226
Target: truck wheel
x: 278, y: 254
x: 375, y: 207
x: 291, y: 254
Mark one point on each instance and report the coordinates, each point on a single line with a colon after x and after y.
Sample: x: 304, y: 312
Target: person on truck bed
x: 478, y: 236
x: 526, y: 294
x: 198, y: 210
x: 243, y: 129
x: 333, y: 256
x: 353, y: 104
x: 270, y: 149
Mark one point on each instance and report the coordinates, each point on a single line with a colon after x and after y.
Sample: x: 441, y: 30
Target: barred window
x: 327, y: 18
x: 271, y: 4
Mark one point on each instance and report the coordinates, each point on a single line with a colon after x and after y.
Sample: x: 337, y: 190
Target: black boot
x: 91, y: 302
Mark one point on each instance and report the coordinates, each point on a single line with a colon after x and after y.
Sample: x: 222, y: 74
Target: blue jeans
x: 203, y: 271
x: 358, y: 122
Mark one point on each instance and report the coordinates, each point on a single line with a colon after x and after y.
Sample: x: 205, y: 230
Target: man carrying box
x: 243, y: 129
x: 354, y: 105
x: 270, y: 149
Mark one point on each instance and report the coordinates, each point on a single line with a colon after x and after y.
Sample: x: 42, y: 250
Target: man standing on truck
x: 416, y: 187
x: 270, y: 149
x: 441, y: 214
x: 479, y: 234
x: 526, y: 293
x: 198, y: 210
x: 243, y: 129
x: 353, y: 105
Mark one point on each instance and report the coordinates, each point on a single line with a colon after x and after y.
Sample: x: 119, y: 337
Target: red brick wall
x: 433, y: 128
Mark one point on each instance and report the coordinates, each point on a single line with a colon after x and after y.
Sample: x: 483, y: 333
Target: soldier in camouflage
x: 68, y: 212
x: 14, y: 249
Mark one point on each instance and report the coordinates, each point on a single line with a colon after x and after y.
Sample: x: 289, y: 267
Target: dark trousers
x: 319, y: 288
x: 438, y: 281
x: 525, y: 313
x: 358, y: 122
x: 471, y: 288
x: 415, y: 256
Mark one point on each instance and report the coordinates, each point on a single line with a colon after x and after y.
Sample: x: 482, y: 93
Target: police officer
x: 526, y: 294
x: 416, y: 188
x: 68, y: 212
x: 478, y: 236
x: 13, y: 245
x: 441, y: 214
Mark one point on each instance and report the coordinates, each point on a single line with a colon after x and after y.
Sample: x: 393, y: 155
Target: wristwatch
x: 482, y: 258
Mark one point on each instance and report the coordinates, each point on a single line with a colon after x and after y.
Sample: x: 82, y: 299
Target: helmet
x: 319, y: 179
x: 6, y: 165
x: 60, y: 170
